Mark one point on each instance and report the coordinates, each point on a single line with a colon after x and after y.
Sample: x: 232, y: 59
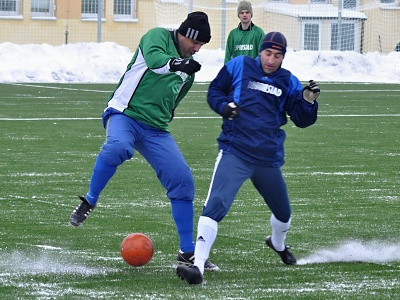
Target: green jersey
x: 148, y: 91
x: 244, y: 42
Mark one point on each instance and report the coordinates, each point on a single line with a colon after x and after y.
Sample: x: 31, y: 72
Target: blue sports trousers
x: 230, y: 172
x: 123, y: 135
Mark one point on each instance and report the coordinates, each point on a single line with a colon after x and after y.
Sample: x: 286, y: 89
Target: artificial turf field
x: 343, y: 178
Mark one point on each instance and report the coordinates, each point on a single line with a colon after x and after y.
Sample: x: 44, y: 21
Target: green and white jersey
x: 148, y: 91
x: 244, y: 42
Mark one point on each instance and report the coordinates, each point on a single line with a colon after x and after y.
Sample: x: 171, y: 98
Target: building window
x: 389, y: 4
x: 90, y: 9
x: 42, y: 8
x: 124, y: 9
x: 345, y: 41
x: 10, y: 7
x: 311, y: 36
x: 350, y: 4
x: 172, y: 1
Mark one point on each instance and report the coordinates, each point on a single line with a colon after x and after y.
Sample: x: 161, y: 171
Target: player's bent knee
x: 181, y: 188
x: 115, y: 153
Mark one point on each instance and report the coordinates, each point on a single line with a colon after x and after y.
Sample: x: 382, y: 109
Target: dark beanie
x: 274, y: 40
x: 196, y: 27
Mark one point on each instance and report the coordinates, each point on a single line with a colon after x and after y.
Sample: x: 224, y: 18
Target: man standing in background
x: 246, y: 38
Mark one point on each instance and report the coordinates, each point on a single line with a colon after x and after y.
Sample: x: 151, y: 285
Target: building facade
x: 315, y: 25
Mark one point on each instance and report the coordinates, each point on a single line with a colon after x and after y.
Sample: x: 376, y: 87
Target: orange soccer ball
x: 137, y: 249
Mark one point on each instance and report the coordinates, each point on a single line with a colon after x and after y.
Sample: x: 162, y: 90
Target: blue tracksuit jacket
x: 255, y: 135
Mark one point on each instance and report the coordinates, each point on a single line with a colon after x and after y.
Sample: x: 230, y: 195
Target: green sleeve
x: 229, y: 47
x: 261, y: 35
x: 157, y: 54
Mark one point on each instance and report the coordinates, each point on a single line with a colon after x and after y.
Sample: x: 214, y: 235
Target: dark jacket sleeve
x: 302, y: 113
x: 220, y: 91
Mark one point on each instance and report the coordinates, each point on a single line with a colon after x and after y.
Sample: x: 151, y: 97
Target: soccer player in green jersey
x: 246, y: 39
x: 137, y: 116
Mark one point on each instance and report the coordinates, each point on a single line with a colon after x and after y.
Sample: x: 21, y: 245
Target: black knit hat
x: 274, y: 40
x: 196, y: 27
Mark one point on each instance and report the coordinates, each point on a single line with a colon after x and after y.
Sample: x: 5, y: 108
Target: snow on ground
x: 106, y: 62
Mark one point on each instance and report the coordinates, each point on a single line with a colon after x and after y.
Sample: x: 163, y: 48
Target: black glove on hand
x: 230, y: 111
x: 311, y: 91
x: 188, y: 66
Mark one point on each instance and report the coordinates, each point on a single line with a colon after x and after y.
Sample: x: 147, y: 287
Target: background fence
x: 346, y: 25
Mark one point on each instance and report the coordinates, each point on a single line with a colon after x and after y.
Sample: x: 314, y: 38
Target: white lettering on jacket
x: 243, y: 47
x: 266, y: 88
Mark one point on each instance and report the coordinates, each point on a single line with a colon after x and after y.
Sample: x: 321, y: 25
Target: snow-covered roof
x: 312, y: 11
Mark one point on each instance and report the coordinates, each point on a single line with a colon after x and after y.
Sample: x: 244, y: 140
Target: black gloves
x: 230, y: 111
x: 188, y: 66
x: 311, y: 91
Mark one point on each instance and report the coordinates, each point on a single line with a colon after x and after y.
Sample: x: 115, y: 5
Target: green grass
x: 342, y: 175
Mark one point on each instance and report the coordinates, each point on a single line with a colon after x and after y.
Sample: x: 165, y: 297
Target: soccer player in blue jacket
x: 254, y: 96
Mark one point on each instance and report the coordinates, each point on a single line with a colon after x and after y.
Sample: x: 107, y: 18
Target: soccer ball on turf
x: 137, y: 249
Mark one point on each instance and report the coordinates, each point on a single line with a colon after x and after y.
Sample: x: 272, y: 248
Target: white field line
x: 101, y: 91
x: 214, y: 117
x: 59, y: 88
x: 177, y: 117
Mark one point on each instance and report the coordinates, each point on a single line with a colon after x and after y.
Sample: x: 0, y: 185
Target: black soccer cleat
x: 286, y: 255
x: 81, y: 212
x: 209, y: 266
x: 189, y: 273
x: 187, y: 259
